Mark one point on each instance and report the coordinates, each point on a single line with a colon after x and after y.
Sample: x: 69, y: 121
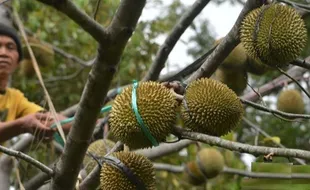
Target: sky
x: 221, y: 18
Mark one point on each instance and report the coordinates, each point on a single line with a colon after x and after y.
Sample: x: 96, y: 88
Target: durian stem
x: 276, y: 112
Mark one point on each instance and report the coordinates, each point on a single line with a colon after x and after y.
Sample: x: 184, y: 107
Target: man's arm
x: 32, y: 123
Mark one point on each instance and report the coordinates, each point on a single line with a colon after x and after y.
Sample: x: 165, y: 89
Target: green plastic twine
x: 68, y: 120
x: 134, y: 105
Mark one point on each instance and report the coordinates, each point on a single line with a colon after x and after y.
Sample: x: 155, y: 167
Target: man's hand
x: 37, y: 124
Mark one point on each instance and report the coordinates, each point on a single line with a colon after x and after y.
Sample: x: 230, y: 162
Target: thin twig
x: 284, y: 73
x: 296, y: 72
x: 63, y: 78
x: 165, y: 49
x: 240, y: 147
x: 28, y: 159
x: 301, y: 63
x: 96, y: 9
x: 265, y: 134
x: 277, y: 112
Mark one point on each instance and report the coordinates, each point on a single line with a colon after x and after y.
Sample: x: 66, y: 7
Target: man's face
x: 8, y: 55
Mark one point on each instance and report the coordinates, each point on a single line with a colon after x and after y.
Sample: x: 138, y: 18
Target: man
x: 17, y: 114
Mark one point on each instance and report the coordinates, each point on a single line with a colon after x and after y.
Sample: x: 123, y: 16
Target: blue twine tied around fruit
x: 142, y: 125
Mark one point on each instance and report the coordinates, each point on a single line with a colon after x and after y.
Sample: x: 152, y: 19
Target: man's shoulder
x: 14, y: 92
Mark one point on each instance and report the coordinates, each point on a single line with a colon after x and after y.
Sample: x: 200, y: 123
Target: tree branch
x: 177, y: 31
x: 301, y: 63
x: 228, y: 170
x: 86, y: 22
x: 225, y: 46
x: 275, y: 84
x: 277, y: 112
x: 262, y: 132
x: 255, y: 150
x: 100, y: 77
x: 6, y: 163
x: 28, y: 159
x: 266, y: 175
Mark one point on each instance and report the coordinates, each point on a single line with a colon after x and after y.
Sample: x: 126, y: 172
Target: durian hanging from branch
x: 155, y: 111
x: 127, y: 170
x: 210, y: 107
x: 274, y: 34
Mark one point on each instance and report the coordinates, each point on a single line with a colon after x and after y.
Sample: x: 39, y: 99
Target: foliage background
x: 52, y: 27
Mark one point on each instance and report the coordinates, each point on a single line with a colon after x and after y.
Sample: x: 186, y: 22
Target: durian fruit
x: 112, y: 178
x: 291, y: 101
x: 274, y: 34
x: 192, y: 174
x: 256, y: 67
x: 43, y: 54
x: 98, y: 148
x: 210, y: 161
x: 26, y: 68
x: 210, y: 107
x: 237, y: 81
x: 157, y: 106
x: 237, y: 58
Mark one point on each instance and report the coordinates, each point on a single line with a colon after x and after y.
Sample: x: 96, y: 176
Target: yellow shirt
x: 13, y: 105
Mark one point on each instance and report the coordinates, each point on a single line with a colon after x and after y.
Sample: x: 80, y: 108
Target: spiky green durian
x: 210, y: 107
x: 274, y: 33
x: 210, y: 161
x: 98, y: 148
x: 291, y: 101
x: 192, y: 174
x: 237, y: 81
x: 236, y: 59
x: 157, y: 106
x: 112, y: 178
x: 44, y: 54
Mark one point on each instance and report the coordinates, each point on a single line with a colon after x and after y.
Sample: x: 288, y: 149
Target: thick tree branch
x: 165, y: 49
x: 86, y: 22
x: 244, y: 173
x: 225, y: 46
x: 255, y: 150
x: 164, y: 149
x: 265, y: 175
x: 168, y: 167
x: 276, y: 112
x: 100, y: 77
x: 28, y: 159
